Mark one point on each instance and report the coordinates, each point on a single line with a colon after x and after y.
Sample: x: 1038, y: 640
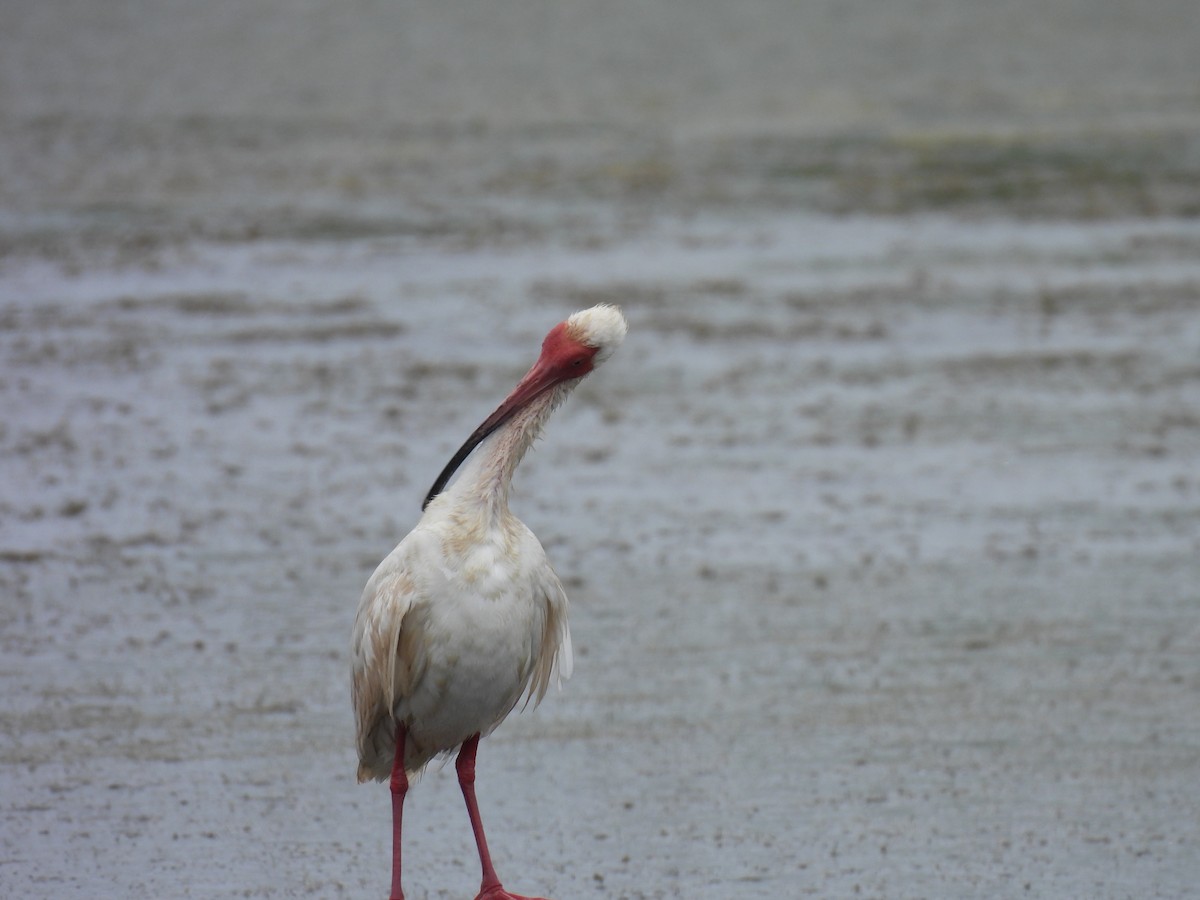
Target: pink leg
x: 399, y: 785
x: 490, y: 889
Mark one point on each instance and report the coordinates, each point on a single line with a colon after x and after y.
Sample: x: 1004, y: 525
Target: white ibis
x: 466, y: 615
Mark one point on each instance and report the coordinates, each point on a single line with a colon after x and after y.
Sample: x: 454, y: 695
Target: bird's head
x: 570, y: 351
x: 600, y: 329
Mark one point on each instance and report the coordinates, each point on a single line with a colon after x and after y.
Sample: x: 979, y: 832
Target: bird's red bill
x: 562, y: 359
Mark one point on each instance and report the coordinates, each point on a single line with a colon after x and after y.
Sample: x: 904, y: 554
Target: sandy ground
x: 882, y: 532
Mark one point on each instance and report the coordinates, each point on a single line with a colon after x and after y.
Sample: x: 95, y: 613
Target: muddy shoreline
x: 882, y: 539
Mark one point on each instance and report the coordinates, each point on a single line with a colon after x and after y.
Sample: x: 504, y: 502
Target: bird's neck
x: 487, y: 476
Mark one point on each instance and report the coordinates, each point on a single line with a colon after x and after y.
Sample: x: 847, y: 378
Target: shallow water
x: 881, y: 538
x: 881, y: 532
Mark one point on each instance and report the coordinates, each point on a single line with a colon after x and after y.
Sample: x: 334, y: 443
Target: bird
x: 465, y: 617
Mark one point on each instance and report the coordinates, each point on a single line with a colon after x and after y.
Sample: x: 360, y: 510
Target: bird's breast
x: 482, y: 634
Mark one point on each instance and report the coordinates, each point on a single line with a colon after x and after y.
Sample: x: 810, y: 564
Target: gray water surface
x: 881, y: 532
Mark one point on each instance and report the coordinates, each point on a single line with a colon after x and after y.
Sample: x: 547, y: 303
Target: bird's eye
x: 577, y: 362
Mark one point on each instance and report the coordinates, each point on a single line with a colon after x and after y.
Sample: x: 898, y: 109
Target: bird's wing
x: 385, y: 666
x: 556, y: 659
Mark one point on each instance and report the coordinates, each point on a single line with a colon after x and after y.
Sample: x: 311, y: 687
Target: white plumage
x: 451, y: 633
x: 465, y: 617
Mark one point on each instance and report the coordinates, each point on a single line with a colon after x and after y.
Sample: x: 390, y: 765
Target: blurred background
x: 881, y: 534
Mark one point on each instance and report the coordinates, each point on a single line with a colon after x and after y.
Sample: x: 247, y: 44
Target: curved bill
x: 543, y: 376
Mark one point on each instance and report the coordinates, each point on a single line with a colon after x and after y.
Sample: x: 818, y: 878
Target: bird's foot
x: 499, y: 893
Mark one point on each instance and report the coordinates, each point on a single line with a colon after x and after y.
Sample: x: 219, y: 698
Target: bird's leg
x: 491, y: 888
x: 399, y: 785
x: 465, y: 765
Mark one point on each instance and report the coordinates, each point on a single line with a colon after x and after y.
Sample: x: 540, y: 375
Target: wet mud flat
x: 882, y: 533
